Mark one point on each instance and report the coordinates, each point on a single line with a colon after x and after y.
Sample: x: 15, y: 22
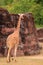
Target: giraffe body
x: 13, y: 40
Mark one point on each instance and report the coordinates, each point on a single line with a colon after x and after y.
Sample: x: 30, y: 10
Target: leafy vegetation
x: 23, y: 6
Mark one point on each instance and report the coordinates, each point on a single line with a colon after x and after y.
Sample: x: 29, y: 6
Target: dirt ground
x: 25, y: 60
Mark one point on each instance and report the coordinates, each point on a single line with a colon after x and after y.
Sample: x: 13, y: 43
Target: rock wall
x: 40, y: 34
x: 28, y: 33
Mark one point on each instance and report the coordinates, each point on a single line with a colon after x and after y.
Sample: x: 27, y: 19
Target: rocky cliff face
x: 28, y: 33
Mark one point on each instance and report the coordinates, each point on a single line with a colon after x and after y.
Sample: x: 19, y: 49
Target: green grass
x: 38, y: 26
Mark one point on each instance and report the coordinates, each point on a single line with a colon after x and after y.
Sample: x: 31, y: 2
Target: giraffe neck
x: 18, y: 25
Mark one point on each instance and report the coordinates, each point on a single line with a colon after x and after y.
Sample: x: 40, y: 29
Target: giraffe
x: 13, y: 40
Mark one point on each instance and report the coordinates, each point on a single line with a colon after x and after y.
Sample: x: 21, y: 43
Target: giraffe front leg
x: 8, y: 55
x: 15, y: 52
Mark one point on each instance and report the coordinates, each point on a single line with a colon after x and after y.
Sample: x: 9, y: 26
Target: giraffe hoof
x: 8, y: 61
x: 15, y: 60
x: 12, y: 58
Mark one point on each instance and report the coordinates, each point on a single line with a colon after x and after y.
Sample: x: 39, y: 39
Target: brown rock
x: 28, y: 32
